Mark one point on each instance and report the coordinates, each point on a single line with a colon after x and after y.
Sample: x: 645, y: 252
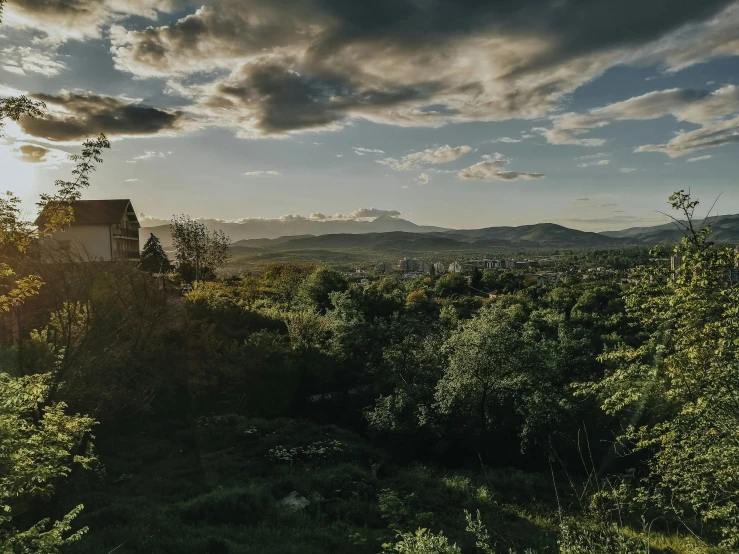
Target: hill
x: 256, y: 229
x: 533, y: 236
x: 725, y: 228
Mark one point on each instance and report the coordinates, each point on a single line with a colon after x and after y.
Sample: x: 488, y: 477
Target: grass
x: 214, y: 486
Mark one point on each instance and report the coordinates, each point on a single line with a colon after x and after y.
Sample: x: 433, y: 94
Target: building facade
x: 102, y: 230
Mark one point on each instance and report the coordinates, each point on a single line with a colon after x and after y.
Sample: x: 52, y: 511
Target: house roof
x: 96, y: 212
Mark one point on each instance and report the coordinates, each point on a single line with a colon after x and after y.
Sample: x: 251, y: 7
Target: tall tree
x: 678, y: 390
x: 153, y: 257
x: 199, y: 252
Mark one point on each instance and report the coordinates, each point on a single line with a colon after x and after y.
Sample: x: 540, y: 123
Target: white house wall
x: 88, y: 241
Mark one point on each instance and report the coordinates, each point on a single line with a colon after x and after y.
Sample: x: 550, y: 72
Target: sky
x: 456, y: 113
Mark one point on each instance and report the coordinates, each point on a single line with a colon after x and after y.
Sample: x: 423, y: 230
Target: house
x: 102, y: 230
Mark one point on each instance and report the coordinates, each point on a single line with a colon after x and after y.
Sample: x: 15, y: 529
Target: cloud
x: 289, y: 66
x: 699, y: 158
x: 131, y: 180
x: 32, y: 153
x: 261, y: 172
x: 318, y: 216
x: 42, y: 155
x: 720, y: 133
x: 581, y: 199
x: 339, y: 155
x: 492, y: 169
x: 361, y: 151
x: 148, y: 155
x: 592, y: 156
x: 593, y: 163
x: 707, y: 109
x: 24, y: 59
x: 422, y: 179
x: 62, y: 20
x: 505, y: 139
x: 368, y: 212
x: 72, y: 116
x: 299, y: 65
x: 443, y: 154
x: 627, y: 169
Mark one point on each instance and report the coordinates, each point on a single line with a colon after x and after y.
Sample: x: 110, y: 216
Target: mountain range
x: 395, y: 234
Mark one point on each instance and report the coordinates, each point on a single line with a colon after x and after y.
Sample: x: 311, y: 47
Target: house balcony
x: 121, y: 233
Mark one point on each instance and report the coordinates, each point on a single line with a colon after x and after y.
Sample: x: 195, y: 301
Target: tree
x: 476, y: 279
x: 451, y: 284
x: 315, y: 290
x: 153, y: 258
x: 199, y: 252
x: 37, y: 441
x: 490, y: 357
x: 678, y: 389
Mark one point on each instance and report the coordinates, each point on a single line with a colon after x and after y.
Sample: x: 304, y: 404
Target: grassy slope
x: 212, y: 487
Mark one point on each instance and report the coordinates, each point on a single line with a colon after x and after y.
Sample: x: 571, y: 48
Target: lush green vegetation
x: 413, y: 416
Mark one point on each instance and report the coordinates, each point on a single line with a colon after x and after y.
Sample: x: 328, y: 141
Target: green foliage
x: 451, y: 284
x: 199, y: 252
x: 38, y: 441
x: 316, y: 289
x: 678, y: 388
x: 422, y: 542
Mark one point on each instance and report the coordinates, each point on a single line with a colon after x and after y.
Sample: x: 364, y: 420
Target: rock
x: 295, y: 501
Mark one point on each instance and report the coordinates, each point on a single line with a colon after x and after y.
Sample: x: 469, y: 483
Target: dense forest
x: 293, y: 411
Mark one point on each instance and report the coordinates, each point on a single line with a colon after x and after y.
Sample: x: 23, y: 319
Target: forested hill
x: 540, y: 235
x: 724, y: 228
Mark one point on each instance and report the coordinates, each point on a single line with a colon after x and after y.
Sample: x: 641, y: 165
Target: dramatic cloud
x: 699, y: 158
x: 148, y: 155
x: 441, y: 155
x: 261, y: 172
x: 694, y: 106
x: 275, y: 68
x: 422, y: 179
x: 73, y: 116
x: 297, y: 65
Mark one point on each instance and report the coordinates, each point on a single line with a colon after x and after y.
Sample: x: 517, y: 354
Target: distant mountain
x: 724, y: 228
x: 539, y: 235
x: 532, y: 236
x: 251, y: 229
